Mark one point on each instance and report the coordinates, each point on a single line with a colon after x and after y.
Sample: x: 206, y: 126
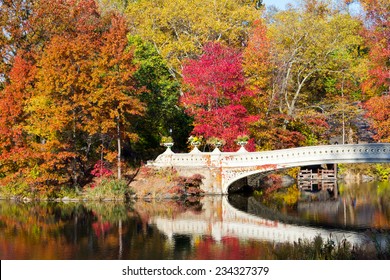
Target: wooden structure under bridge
x: 323, y: 179
x: 322, y: 174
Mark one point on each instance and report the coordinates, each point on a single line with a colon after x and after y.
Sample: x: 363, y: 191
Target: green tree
x: 162, y: 116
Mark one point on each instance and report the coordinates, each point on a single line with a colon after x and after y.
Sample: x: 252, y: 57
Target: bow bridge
x: 222, y: 170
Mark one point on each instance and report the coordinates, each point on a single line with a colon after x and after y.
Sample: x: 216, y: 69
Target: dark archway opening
x: 241, y: 186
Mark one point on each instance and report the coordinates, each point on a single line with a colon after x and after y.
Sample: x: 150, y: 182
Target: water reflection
x: 216, y: 227
x: 75, y: 231
x: 351, y: 206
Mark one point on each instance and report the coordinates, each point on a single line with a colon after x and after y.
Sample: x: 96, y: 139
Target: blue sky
x: 280, y: 4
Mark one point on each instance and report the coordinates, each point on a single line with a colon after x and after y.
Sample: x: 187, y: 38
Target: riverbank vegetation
x: 146, y: 183
x: 96, y: 82
x: 363, y: 172
x: 327, y: 249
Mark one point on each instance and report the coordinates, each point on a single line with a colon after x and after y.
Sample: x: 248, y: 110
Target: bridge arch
x: 314, y: 155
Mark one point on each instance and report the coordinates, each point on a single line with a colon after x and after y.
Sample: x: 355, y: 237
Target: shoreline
x: 150, y: 184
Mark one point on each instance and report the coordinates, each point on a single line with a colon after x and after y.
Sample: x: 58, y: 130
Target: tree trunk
x: 74, y: 160
x: 120, y: 253
x: 119, y: 150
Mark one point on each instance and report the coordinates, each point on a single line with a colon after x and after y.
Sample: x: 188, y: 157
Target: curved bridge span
x: 221, y: 169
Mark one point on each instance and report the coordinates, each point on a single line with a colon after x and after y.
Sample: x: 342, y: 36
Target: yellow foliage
x: 293, y: 172
x: 180, y: 28
x: 290, y: 197
x: 111, y: 156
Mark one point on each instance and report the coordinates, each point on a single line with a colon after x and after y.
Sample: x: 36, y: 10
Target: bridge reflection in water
x: 219, y: 219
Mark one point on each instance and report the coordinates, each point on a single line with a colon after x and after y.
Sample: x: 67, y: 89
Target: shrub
x: 21, y: 189
x: 109, y: 189
x: 166, y: 139
x: 382, y: 171
x: 67, y: 192
x: 188, y: 186
x: 17, y: 189
x: 242, y: 138
x: 100, y: 169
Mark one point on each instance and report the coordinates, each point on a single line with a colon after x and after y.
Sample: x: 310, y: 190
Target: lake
x: 347, y: 221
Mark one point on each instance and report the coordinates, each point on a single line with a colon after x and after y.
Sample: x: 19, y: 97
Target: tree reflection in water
x: 152, y: 230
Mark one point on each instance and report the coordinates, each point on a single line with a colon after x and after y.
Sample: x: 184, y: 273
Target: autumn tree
x: 116, y: 6
x: 377, y: 83
x: 180, y: 29
x: 68, y: 89
x: 13, y: 33
x: 216, y: 89
x: 256, y: 57
x: 379, y: 111
x: 26, y: 26
x: 378, y: 39
x: 307, y: 45
x: 14, y: 151
x: 18, y: 49
x: 58, y: 107
x: 115, y: 93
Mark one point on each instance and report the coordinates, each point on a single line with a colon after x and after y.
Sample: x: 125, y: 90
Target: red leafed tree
x: 216, y: 89
x: 378, y: 82
x: 379, y: 111
x: 378, y: 39
x: 13, y: 149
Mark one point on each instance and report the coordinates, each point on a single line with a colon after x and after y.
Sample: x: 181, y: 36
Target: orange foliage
x: 256, y: 57
x: 379, y: 112
x: 378, y: 39
x: 70, y: 86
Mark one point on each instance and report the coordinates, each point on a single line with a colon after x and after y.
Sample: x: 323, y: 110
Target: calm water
x: 216, y: 227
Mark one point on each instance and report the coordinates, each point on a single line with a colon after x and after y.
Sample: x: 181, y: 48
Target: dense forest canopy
x: 85, y: 81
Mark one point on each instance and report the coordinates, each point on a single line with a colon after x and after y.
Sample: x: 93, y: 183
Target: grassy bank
x: 364, y: 171
x: 105, y: 189
x: 144, y: 183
